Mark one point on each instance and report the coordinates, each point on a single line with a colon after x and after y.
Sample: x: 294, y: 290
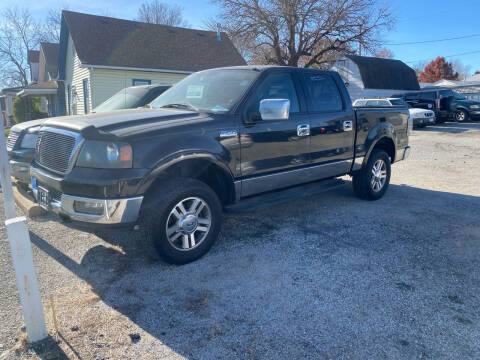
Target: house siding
x: 106, y: 82
x: 74, y: 76
x: 350, y: 74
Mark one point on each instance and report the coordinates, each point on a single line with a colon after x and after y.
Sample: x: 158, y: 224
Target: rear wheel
x: 371, y: 182
x: 183, y: 216
x: 461, y: 115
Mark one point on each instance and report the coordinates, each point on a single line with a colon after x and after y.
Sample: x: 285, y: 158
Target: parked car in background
x: 215, y: 139
x: 446, y: 104
x: 21, y: 147
x: 23, y: 137
x: 420, y: 117
x: 131, y: 97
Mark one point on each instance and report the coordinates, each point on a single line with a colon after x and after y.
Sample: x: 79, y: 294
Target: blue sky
x: 417, y: 20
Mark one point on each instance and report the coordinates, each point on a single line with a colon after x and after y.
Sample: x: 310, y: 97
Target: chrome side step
x: 280, y: 196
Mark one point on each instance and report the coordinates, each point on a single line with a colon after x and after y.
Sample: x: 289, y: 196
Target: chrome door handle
x: 348, y: 125
x: 303, y: 130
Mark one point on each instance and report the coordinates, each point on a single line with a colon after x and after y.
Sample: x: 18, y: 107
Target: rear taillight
x: 437, y: 103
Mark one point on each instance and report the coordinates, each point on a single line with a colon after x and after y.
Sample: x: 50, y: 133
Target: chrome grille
x: 12, y: 139
x: 54, y: 150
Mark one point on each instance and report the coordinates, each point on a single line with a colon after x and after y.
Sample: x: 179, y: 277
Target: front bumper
x: 20, y: 171
x: 114, y: 211
x: 90, y: 196
x: 423, y: 121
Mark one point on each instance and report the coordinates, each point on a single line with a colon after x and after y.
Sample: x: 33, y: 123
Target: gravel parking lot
x: 324, y: 277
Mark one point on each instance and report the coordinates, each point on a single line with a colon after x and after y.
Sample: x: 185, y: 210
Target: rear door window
x: 322, y: 93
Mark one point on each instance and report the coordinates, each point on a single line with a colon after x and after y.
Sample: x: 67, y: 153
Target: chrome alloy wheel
x: 379, y: 175
x: 460, y: 116
x: 188, y: 223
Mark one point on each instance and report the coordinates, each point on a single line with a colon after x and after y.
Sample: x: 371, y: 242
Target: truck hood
x: 419, y: 111
x: 118, y: 123
x: 467, y: 103
x: 27, y: 125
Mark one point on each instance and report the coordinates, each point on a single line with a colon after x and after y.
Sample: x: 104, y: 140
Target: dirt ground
x: 324, y: 277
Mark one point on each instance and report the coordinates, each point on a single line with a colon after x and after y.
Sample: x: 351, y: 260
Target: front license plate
x: 43, y: 198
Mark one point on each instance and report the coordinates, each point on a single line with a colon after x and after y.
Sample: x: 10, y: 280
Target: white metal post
x: 21, y: 251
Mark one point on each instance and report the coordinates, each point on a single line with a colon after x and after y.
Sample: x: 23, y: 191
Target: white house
x: 99, y: 56
x: 367, y: 77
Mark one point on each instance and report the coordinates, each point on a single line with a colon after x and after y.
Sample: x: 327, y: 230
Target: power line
x: 447, y: 56
x: 433, y: 41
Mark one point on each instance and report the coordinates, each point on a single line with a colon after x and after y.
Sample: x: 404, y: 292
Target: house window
x: 136, y: 82
x: 85, y: 96
x: 74, y: 97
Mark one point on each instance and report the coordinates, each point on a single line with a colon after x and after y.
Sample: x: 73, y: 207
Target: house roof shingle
x: 379, y: 73
x: 113, y: 42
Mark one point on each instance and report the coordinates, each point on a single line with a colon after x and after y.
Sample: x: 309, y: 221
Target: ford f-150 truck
x: 216, y: 138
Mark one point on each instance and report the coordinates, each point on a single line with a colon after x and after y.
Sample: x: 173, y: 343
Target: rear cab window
x: 428, y: 96
x: 322, y: 93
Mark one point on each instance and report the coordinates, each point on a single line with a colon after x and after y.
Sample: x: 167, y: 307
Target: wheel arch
x: 204, y: 167
x: 385, y: 143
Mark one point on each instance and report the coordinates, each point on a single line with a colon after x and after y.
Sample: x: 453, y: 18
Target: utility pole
x: 21, y: 252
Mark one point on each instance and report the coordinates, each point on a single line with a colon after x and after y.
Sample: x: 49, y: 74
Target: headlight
x: 106, y: 155
x: 418, y: 115
x: 29, y: 140
x: 474, y: 106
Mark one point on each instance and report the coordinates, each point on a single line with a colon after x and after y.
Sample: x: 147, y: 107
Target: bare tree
x: 18, y: 33
x: 53, y: 23
x: 384, y: 54
x: 462, y: 69
x: 304, y: 32
x: 156, y: 12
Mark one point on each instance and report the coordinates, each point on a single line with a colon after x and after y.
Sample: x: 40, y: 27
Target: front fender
x: 173, y: 159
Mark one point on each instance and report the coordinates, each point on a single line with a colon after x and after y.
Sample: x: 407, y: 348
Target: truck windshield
x: 127, y: 98
x: 211, y: 91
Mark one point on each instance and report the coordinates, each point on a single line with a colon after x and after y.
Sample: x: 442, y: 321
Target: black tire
x: 362, y: 179
x: 461, y: 115
x: 157, y: 211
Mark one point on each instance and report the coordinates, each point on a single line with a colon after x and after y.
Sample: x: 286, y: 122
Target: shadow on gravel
x: 239, y: 300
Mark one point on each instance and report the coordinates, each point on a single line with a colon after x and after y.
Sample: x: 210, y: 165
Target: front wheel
x: 461, y: 115
x: 371, y: 182
x: 183, y: 216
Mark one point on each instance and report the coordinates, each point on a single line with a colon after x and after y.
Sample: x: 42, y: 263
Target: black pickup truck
x: 216, y: 138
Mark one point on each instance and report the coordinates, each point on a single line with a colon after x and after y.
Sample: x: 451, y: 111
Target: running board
x: 280, y: 196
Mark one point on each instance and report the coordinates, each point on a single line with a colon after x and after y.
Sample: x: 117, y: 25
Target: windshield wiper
x: 185, y: 106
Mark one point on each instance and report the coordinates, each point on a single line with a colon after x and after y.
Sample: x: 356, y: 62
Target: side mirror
x: 430, y: 106
x: 274, y: 109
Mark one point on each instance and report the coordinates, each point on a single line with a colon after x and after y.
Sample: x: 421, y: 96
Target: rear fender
x: 383, y: 132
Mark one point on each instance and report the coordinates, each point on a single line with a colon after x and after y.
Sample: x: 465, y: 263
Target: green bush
x: 27, y: 108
